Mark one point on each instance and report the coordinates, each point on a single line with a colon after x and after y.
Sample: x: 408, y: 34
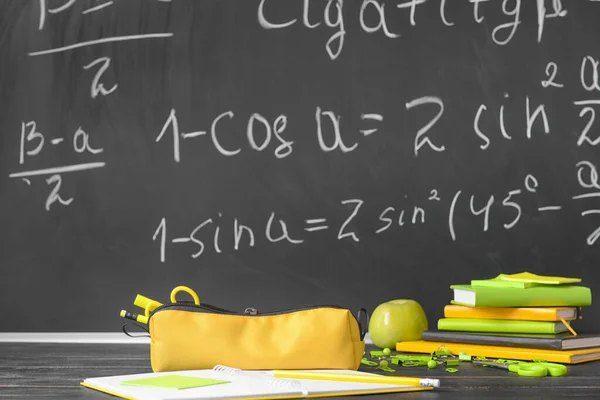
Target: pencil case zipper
x: 249, y: 312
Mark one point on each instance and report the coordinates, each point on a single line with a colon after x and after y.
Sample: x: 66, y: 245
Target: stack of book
x: 520, y: 316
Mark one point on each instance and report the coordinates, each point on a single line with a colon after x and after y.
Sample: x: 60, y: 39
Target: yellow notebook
x: 513, y: 353
x: 514, y: 313
x: 240, y: 385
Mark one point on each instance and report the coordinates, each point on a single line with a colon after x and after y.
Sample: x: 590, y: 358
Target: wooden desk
x: 53, y: 371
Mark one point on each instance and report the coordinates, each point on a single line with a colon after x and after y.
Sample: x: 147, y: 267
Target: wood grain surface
x: 54, y: 371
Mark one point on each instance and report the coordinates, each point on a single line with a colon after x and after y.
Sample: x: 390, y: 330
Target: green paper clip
x: 451, y: 370
x: 384, y: 366
x: 414, y: 363
x: 367, y: 362
x: 410, y: 358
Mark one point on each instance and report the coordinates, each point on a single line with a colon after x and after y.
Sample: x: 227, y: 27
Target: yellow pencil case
x: 187, y: 336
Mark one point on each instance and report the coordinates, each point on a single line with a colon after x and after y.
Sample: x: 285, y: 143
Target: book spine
x: 535, y: 297
x: 517, y: 353
x: 491, y: 340
x: 538, y: 296
x: 495, y: 325
x: 524, y: 314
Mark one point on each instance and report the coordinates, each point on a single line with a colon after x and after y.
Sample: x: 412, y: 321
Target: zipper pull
x: 251, y: 311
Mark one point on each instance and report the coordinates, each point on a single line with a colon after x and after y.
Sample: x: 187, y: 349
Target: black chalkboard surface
x: 277, y: 154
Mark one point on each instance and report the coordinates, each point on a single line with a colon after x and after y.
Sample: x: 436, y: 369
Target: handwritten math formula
x: 276, y: 136
x: 35, y: 139
x: 219, y: 232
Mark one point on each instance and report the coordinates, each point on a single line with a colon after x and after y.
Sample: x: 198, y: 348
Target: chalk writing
x: 98, y: 87
x: 373, y: 17
x: 44, y: 9
x: 316, y: 224
x: 236, y: 236
x: 100, y: 41
x: 54, y: 195
x: 98, y: 7
x: 32, y: 142
x: 551, y: 72
x: 273, y: 131
x: 332, y: 131
x: 592, y: 182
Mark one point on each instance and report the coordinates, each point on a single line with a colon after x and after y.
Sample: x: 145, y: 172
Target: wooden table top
x: 54, y: 371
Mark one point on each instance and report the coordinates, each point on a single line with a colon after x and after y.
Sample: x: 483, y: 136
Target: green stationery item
x: 411, y: 361
x: 376, y: 353
x: 364, y: 361
x: 500, y: 282
x: 500, y: 326
x: 536, y: 296
x: 173, y: 382
x: 523, y: 280
x: 530, y: 369
x: 542, y: 279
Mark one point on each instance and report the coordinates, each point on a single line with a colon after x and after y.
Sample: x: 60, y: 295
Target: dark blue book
x: 561, y: 341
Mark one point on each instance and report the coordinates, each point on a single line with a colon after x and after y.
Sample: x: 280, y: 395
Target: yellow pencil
x: 379, y: 379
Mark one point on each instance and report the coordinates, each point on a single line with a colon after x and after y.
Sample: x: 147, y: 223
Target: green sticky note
x: 173, y: 382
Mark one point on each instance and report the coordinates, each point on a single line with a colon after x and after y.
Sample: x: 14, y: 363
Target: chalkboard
x: 276, y: 154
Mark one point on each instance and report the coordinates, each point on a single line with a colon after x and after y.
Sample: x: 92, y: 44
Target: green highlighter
x: 173, y: 382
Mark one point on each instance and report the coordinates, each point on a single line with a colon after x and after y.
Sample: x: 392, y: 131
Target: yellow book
x: 514, y: 313
x: 512, y: 353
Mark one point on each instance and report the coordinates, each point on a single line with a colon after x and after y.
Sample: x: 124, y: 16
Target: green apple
x: 397, y: 321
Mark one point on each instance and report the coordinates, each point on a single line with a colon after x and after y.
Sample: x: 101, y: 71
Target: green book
x: 537, y: 296
x: 500, y: 326
x: 560, y: 341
